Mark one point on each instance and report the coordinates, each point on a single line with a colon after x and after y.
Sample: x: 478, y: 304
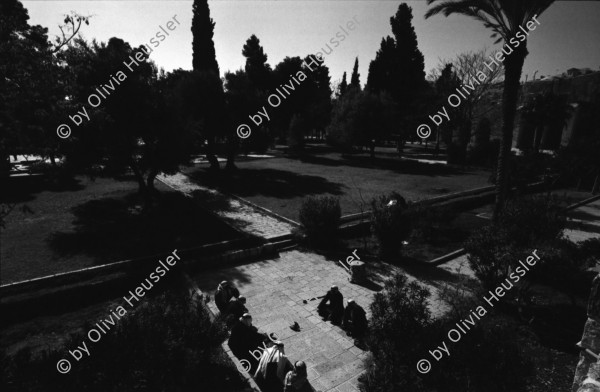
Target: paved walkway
x: 238, y: 214
x: 276, y: 289
x: 583, y: 224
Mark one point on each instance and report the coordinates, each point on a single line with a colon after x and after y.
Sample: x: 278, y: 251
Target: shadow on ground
x: 24, y: 189
x: 392, y: 164
x: 110, y: 229
x: 268, y: 182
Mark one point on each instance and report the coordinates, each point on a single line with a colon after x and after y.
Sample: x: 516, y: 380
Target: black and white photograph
x: 300, y: 195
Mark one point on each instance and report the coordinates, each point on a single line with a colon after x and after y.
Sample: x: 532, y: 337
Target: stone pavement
x: 584, y: 222
x: 275, y: 290
x: 242, y: 216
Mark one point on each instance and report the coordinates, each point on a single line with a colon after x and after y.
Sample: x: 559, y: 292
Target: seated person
x: 235, y: 309
x: 245, y: 338
x: 355, y: 320
x: 335, y: 309
x: 272, y: 369
x: 296, y: 379
x: 224, y: 293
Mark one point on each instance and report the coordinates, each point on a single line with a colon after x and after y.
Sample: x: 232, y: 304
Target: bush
x: 428, y: 222
x: 320, y: 218
x: 390, y: 223
x: 525, y: 224
x: 490, y: 255
x: 488, y: 357
x: 533, y: 220
x: 399, y: 331
x: 565, y: 266
x: 168, y: 343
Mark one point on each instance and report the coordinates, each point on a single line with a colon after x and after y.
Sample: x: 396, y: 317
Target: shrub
x: 320, y: 218
x: 390, y: 223
x: 488, y: 357
x: 533, y: 220
x: 565, y: 266
x: 525, y: 224
x: 399, y: 331
x: 168, y: 343
x: 428, y: 222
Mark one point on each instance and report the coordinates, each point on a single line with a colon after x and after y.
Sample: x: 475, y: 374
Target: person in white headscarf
x: 272, y: 368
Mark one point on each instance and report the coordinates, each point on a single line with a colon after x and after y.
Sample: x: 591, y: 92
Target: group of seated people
x: 353, y: 317
x: 269, y: 365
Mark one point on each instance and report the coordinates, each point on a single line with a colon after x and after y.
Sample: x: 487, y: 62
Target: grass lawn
x: 96, y: 222
x: 279, y: 184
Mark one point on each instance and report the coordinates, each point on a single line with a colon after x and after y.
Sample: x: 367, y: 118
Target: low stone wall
x: 587, y: 374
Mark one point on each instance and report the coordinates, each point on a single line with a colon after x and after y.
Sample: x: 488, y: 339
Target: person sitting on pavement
x: 272, y: 368
x: 224, y: 293
x: 335, y: 309
x: 236, y: 307
x: 245, y: 338
x: 355, y: 320
x: 296, y: 379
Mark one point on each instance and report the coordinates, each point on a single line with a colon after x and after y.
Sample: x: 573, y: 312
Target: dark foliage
x: 390, y: 223
x: 167, y: 343
x: 320, y: 218
x: 486, y: 358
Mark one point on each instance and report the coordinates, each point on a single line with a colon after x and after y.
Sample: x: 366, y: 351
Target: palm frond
x: 503, y: 17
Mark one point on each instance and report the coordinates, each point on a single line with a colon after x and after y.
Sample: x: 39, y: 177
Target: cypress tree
x: 399, y: 66
x: 343, y: 86
x: 204, y: 57
x: 355, y: 79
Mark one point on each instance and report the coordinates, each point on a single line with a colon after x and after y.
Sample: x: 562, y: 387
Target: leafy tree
x: 138, y: 126
x: 33, y: 84
x: 504, y: 19
x: 361, y: 116
x: 355, y: 78
x: 310, y: 97
x: 463, y: 76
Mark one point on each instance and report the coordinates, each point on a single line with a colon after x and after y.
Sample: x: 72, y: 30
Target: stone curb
x: 433, y: 200
x: 129, y: 266
x: 582, y: 202
x: 447, y: 257
x: 262, y: 209
x: 459, y: 252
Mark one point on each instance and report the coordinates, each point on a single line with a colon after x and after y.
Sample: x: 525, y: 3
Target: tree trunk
x: 210, y: 153
x: 513, y: 65
x: 231, y: 147
x: 138, y: 176
x: 150, y: 180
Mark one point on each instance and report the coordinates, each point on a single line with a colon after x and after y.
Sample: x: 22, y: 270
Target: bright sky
x: 569, y: 34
